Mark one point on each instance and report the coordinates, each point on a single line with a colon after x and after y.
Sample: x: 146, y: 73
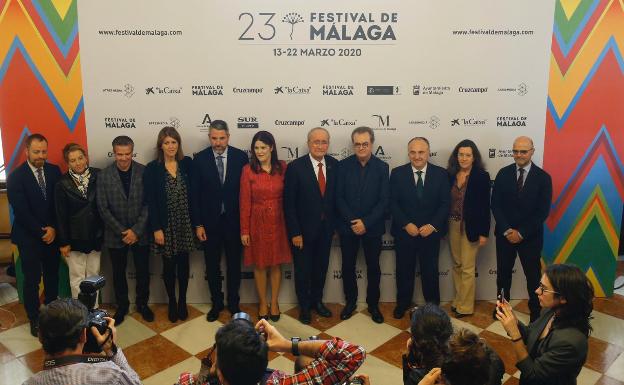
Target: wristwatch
x: 294, y: 349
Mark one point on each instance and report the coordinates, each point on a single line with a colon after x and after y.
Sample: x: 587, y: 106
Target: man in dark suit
x: 420, y: 202
x: 309, y: 204
x: 123, y: 210
x: 521, y: 200
x: 30, y: 189
x: 216, y: 216
x: 362, y: 194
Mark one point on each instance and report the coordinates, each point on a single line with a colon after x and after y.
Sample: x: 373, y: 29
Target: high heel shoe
x: 182, y: 310
x: 274, y: 317
x: 173, y: 312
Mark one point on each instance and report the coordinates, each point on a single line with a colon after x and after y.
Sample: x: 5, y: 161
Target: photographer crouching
x: 240, y: 357
x: 79, y: 344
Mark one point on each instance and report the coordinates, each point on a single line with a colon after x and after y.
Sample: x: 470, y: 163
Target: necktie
x: 321, y: 179
x: 220, y: 167
x: 41, y: 182
x: 520, y: 181
x: 420, y: 187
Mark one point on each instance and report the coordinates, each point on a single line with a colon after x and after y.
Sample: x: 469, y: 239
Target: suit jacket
x: 368, y: 202
x: 119, y: 212
x: 154, y: 180
x: 406, y: 208
x: 30, y: 209
x: 208, y: 195
x: 559, y: 358
x: 525, y: 211
x: 79, y: 222
x: 304, y: 206
x: 476, y: 214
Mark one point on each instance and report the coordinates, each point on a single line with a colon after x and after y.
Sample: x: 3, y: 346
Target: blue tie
x: 220, y: 167
x: 41, y: 182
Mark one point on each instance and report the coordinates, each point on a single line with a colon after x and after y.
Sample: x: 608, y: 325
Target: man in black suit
x: 420, y: 203
x: 123, y: 210
x: 30, y: 189
x: 216, y: 216
x: 362, y: 194
x: 309, y: 204
x: 521, y: 200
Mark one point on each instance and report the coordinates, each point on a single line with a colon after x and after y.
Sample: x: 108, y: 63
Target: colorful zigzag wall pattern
x: 584, y: 144
x: 41, y: 91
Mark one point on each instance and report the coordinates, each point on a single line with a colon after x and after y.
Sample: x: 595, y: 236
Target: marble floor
x: 159, y: 350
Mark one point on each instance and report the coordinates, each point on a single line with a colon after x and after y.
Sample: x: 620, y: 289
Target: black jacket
x: 154, y: 179
x: 78, y: 220
x: 476, y: 212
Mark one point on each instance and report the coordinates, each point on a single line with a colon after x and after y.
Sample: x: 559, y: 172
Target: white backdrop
x: 445, y: 70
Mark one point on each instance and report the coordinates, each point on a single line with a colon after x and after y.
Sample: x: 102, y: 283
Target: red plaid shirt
x: 337, y: 361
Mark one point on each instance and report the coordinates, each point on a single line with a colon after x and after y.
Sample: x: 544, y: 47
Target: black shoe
x: 376, y: 314
x: 146, y: 313
x: 494, y: 314
x: 305, y: 317
x: 172, y: 312
x: 453, y: 309
x: 120, y: 315
x: 462, y: 315
x: 322, y: 310
x: 182, y: 311
x: 348, y: 310
x: 398, y: 312
x: 34, y: 328
x: 213, y: 314
x: 275, y: 317
x: 233, y: 309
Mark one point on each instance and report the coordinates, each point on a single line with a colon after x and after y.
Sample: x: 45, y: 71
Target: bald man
x: 521, y: 201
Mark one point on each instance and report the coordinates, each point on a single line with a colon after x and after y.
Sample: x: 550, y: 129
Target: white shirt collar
x: 316, y: 162
x: 424, y: 169
x: 224, y: 152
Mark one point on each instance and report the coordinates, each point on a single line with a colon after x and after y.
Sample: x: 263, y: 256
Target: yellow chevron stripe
x: 598, y: 290
x: 569, y: 6
x: 62, y: 6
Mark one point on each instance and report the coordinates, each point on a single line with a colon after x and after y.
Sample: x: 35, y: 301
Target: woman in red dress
x: 263, y: 228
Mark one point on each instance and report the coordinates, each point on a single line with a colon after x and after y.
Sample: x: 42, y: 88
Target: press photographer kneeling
x: 79, y: 343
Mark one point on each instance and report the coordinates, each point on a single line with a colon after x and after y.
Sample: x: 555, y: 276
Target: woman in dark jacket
x: 79, y: 228
x: 469, y: 220
x: 166, y: 185
x: 553, y: 349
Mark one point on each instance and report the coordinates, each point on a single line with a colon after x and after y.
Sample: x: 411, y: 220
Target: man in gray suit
x: 124, y: 212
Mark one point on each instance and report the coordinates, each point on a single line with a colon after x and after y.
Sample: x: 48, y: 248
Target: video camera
x: 88, y: 295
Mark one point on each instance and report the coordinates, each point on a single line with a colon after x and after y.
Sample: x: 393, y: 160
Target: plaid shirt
x: 337, y: 361
x: 117, y: 371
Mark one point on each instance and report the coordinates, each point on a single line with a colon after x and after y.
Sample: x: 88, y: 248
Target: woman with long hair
x: 553, y: 349
x: 263, y: 227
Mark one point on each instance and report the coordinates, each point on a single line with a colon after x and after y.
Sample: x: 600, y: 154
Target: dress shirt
x: 526, y: 168
x: 34, y: 171
x: 422, y: 176
x: 224, y: 155
x: 316, y: 168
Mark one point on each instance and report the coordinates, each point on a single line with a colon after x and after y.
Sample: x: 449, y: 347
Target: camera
x: 354, y: 381
x: 88, y: 295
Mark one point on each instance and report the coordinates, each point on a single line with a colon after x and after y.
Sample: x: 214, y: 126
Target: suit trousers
x: 82, y: 265
x: 310, y: 265
x: 529, y: 252
x: 119, y: 260
x: 39, y: 259
x: 349, y: 246
x: 213, y: 247
x: 426, y: 250
x: 464, y: 255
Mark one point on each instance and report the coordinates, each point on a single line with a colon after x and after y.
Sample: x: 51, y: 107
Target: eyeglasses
x: 542, y: 289
x: 320, y: 143
x: 522, y: 152
x: 361, y: 145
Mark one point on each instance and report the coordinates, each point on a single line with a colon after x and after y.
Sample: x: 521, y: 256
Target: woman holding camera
x: 79, y: 228
x: 469, y: 220
x: 166, y: 185
x: 263, y: 226
x: 553, y: 349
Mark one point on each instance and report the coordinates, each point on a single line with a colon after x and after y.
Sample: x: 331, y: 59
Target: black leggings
x: 177, y: 264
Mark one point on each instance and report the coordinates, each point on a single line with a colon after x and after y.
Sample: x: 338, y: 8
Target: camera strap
x: 70, y: 360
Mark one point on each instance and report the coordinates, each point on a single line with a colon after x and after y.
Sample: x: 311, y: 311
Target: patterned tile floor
x: 159, y: 351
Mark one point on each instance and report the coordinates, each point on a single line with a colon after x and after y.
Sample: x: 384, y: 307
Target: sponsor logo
x: 340, y: 122
x: 292, y: 90
x: 247, y: 122
x: 382, y: 90
x: 127, y: 90
x: 520, y: 90
x: 292, y: 153
x: 292, y: 18
x: 110, y: 154
x: 247, y: 90
x: 381, y: 154
x: 288, y: 274
x: 207, y: 90
x: 426, y: 89
x: 468, y: 122
x: 119, y: 122
x: 511, y: 121
x: 156, y: 90
x: 387, y: 244
x: 433, y: 122
x: 500, y: 153
x: 173, y: 122
x: 382, y: 123
x: 476, y: 90
x: 204, y: 125
x: 494, y: 271
x: 337, y: 90
x: 343, y: 153
x: 352, y: 26
x: 295, y: 123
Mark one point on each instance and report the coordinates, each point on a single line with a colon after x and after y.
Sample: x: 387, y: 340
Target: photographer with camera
x: 240, y: 357
x: 63, y: 334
